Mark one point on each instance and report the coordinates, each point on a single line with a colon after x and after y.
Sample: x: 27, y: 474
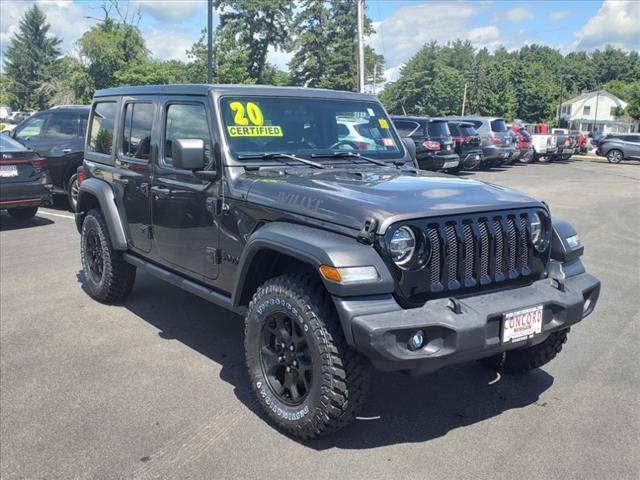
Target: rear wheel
x: 614, y: 156
x: 544, y: 158
x: 73, y: 188
x: 23, y: 213
x: 302, y: 371
x: 108, y: 277
x: 525, y: 359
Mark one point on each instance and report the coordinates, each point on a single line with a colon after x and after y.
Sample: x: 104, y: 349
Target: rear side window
x: 468, y: 131
x: 101, y: 136
x: 186, y: 121
x: 498, y: 125
x: 136, y: 136
x: 438, y: 129
x: 63, y: 126
x: 454, y: 129
x: 405, y: 128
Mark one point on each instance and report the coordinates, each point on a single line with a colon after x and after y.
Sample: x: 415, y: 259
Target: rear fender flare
x: 103, y: 193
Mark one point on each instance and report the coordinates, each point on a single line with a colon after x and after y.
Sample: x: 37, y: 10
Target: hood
x: 350, y: 196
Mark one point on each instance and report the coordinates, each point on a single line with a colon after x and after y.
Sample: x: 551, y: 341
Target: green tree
x: 153, y: 72
x: 70, y: 85
x: 30, y: 60
x: 630, y: 93
x: 308, y: 64
x: 110, y: 47
x: 251, y: 28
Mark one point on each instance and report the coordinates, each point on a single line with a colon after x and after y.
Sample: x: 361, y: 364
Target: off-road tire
x: 118, y: 276
x: 340, y: 375
x: 614, y: 156
x: 525, y: 359
x: 22, y: 213
x: 72, y: 192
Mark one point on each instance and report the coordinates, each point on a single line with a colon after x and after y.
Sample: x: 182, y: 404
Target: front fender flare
x: 315, y: 247
x: 103, y: 193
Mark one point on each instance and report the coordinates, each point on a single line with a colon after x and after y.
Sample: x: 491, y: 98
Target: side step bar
x: 184, y: 283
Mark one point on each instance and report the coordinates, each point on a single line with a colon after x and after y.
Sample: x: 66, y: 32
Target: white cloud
x: 616, y: 23
x: 169, y: 43
x: 172, y: 11
x: 519, y: 14
x: 401, y: 35
x: 559, y: 15
x: 280, y: 59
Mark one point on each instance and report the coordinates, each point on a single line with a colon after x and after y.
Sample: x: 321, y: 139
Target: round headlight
x: 537, y: 230
x: 402, y: 246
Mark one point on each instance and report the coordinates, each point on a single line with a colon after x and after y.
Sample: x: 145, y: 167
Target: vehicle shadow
x: 8, y: 223
x: 400, y: 408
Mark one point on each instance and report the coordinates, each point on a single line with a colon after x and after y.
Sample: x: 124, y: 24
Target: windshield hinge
x: 368, y: 232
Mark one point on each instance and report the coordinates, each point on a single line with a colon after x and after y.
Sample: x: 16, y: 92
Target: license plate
x: 8, y: 171
x: 522, y: 324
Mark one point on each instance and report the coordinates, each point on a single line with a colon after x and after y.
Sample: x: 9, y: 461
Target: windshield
x: 438, y: 129
x: 303, y: 126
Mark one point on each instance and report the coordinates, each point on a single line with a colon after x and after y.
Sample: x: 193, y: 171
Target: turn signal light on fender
x: 348, y: 275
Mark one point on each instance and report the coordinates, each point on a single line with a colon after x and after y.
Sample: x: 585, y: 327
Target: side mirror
x: 188, y: 153
x: 6, y: 132
x: 411, y: 147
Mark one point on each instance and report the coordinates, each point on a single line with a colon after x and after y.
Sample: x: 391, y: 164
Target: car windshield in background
x: 438, y: 129
x: 303, y: 126
x: 8, y: 144
x: 498, y: 125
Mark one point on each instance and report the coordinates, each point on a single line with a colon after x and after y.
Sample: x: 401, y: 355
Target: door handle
x: 160, y: 192
x: 67, y: 150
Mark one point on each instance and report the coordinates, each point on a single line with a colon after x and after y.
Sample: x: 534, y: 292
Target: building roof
x: 586, y: 95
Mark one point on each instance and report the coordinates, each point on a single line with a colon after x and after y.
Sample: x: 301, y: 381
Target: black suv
x: 468, y: 145
x: 339, y: 256
x: 58, y: 135
x: 435, y: 148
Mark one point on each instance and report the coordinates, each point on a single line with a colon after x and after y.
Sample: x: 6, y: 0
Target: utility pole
x: 595, y: 118
x: 209, y: 41
x: 360, y: 46
x: 464, y: 99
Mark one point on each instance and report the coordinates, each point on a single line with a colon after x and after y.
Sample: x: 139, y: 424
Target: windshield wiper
x: 349, y: 154
x: 279, y: 157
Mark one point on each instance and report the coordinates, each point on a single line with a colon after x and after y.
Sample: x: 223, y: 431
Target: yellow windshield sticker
x: 255, y: 131
x: 383, y: 123
x: 251, y: 110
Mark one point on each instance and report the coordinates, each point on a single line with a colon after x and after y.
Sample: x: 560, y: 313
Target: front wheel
x: 544, y: 158
x: 73, y: 188
x: 304, y: 374
x: 525, y: 359
x: 614, y: 156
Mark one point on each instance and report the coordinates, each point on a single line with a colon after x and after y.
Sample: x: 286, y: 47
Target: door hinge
x: 213, y: 255
x: 217, y: 206
x: 147, y: 230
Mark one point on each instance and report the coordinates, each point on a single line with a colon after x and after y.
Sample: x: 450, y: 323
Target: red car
x: 523, y: 144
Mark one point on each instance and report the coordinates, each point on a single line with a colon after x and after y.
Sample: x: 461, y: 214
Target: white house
x: 595, y: 112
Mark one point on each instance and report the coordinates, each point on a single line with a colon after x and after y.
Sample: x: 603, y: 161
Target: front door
x: 183, y: 206
x: 132, y: 179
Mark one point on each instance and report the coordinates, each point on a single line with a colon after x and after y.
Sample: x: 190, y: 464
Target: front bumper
x: 23, y: 194
x: 458, y: 329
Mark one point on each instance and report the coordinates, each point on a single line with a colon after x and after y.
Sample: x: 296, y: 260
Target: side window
x: 136, y: 138
x: 62, y: 126
x: 186, y: 121
x: 31, y: 129
x: 404, y: 127
x: 102, y: 121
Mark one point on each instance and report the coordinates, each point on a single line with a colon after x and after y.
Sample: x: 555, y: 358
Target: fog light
x: 587, y: 305
x: 573, y: 241
x: 416, y: 340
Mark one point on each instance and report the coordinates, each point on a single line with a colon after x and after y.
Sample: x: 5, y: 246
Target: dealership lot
x: 156, y: 387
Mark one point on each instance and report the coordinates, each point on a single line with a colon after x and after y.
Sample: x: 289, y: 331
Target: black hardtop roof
x: 204, y: 89
x: 417, y: 119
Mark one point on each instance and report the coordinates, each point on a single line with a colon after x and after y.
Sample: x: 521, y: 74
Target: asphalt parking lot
x: 155, y: 387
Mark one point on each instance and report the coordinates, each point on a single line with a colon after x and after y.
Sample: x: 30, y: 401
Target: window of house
x: 102, y: 121
x: 586, y: 110
x: 136, y: 138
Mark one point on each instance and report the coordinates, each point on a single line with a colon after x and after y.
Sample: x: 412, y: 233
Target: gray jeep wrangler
x: 339, y: 253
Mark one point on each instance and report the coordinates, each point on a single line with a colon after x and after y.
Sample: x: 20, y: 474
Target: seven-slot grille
x: 468, y: 252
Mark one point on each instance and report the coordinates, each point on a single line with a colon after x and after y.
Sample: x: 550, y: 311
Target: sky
x: 170, y: 27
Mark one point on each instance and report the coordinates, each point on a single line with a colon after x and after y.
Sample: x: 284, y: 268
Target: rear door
x: 183, y: 206
x: 132, y: 176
